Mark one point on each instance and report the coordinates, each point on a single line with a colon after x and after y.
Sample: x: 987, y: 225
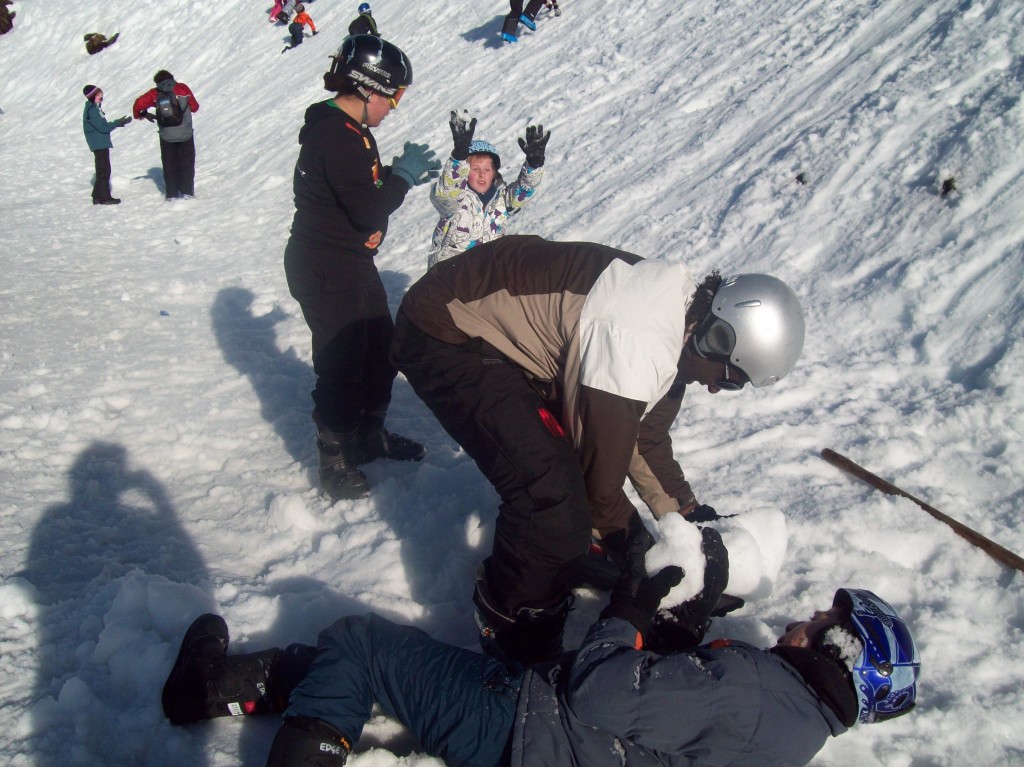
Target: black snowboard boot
x: 307, y: 742
x: 377, y: 442
x: 530, y: 636
x: 204, y: 683
x: 683, y: 627
x: 338, y: 457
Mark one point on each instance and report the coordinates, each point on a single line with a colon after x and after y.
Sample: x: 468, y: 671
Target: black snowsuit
x: 343, y: 198
x: 363, y: 24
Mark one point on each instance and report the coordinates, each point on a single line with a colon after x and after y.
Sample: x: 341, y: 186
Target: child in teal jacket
x: 97, y: 135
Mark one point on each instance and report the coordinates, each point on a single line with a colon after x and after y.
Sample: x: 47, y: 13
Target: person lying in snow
x: 612, y: 702
x: 473, y: 199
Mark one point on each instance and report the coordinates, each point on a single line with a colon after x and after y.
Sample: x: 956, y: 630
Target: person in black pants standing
x: 343, y: 199
x: 174, y: 104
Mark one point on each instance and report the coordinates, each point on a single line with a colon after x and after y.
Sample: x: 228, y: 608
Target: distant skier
x: 96, y: 42
x: 528, y: 17
x: 473, y: 199
x: 364, y: 23
x: 295, y: 28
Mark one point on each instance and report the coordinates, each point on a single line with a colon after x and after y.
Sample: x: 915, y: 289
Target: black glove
x: 148, y: 116
x: 703, y: 513
x: 637, y: 602
x: 683, y: 627
x: 314, y: 33
x: 462, y: 135
x: 628, y: 548
x: 534, y: 143
x: 416, y: 165
x: 122, y: 121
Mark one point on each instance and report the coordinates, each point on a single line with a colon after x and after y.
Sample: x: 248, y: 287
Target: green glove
x: 416, y: 165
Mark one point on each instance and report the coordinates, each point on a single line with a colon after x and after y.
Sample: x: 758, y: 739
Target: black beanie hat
x: 90, y: 90
x: 162, y: 75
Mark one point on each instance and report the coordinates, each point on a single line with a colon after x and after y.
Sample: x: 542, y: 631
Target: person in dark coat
x: 344, y: 197
x: 177, y: 138
x: 610, y: 703
x: 96, y: 42
x: 97, y: 129
x: 364, y: 23
x: 6, y: 17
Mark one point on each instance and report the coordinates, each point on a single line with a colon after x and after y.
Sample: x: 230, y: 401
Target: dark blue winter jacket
x: 615, y: 705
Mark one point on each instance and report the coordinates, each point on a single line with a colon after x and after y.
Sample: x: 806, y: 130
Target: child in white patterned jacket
x: 473, y: 199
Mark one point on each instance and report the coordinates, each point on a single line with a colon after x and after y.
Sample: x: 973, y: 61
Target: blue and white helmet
x: 364, y: 8
x: 886, y: 672
x: 483, y: 147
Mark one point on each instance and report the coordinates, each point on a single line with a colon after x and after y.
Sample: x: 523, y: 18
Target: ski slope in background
x: 156, y: 454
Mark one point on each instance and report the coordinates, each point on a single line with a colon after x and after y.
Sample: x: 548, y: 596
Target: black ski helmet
x: 368, y: 63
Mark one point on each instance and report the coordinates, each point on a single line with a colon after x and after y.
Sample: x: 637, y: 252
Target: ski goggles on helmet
x: 714, y: 339
x: 393, y: 100
x: 886, y: 673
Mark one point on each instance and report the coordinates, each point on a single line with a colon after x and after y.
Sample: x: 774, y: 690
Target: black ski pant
x: 512, y: 20
x: 101, y: 187
x: 488, y: 406
x: 346, y: 308
x: 179, y: 162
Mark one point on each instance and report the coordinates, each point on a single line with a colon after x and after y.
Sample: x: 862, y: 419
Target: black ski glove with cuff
x: 637, y: 602
x: 703, y: 513
x: 462, y: 134
x: 533, y: 145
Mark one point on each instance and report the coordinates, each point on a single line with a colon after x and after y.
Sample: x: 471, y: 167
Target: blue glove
x: 417, y: 164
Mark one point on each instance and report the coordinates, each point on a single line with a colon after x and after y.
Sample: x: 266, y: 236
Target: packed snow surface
x: 156, y: 452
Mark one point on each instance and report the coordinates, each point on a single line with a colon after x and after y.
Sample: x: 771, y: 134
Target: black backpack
x: 168, y: 109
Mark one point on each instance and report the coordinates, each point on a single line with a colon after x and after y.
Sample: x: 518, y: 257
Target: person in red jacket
x: 295, y: 28
x: 173, y: 104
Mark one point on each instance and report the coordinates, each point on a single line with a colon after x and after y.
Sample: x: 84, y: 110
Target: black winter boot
x: 377, y: 442
x: 683, y: 627
x: 307, y: 742
x: 339, y: 477
x: 532, y: 635
x: 204, y: 683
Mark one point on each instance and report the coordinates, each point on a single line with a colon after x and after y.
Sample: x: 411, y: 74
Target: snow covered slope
x: 156, y: 455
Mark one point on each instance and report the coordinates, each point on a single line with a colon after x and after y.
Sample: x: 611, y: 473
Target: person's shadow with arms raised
x: 111, y: 568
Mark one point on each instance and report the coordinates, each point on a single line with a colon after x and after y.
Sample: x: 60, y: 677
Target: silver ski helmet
x: 756, y: 325
x: 886, y: 672
x: 483, y: 147
x: 371, y: 64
